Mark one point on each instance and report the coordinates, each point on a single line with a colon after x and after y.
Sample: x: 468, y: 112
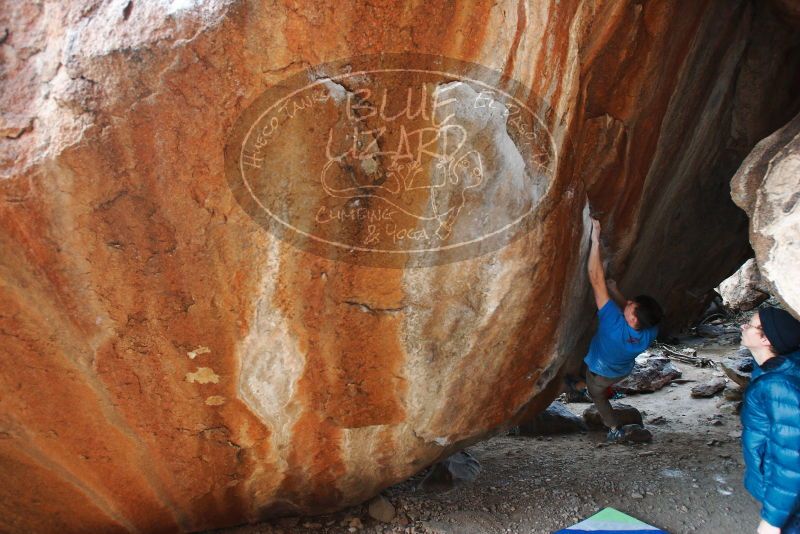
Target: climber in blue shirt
x: 771, y: 420
x: 626, y: 328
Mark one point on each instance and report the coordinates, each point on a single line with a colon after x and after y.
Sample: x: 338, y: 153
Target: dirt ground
x: 689, y: 479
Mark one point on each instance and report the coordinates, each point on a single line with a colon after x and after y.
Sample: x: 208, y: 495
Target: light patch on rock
x: 743, y: 290
x: 335, y: 90
x: 502, y: 281
x: 439, y: 341
x: 174, y: 6
x: 778, y: 197
x: 767, y: 188
x: 271, y: 361
x: 203, y: 375
x: 192, y: 354
x: 506, y: 191
x: 369, y: 165
x: 215, y: 400
x: 435, y: 340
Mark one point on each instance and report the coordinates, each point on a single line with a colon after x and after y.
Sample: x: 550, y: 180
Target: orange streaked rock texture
x: 169, y: 365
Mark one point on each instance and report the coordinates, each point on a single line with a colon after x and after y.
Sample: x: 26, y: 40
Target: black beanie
x: 782, y: 330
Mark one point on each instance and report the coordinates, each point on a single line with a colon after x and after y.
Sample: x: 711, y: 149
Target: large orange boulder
x: 263, y: 258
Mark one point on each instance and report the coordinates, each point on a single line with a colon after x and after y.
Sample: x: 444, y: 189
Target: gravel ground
x: 689, y: 479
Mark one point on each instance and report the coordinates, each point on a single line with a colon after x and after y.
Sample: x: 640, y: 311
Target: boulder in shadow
x: 627, y: 415
x: 636, y: 434
x: 458, y: 469
x: 556, y: 419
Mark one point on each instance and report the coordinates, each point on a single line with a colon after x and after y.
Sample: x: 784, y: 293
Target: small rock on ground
x: 455, y: 470
x: 556, y: 419
x: 627, y: 415
x: 381, y: 509
x: 710, y: 388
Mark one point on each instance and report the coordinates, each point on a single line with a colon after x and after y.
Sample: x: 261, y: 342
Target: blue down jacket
x: 771, y: 438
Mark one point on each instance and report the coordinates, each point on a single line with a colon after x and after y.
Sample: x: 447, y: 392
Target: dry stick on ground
x: 685, y: 357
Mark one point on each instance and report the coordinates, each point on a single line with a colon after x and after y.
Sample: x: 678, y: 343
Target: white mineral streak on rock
x: 436, y: 340
x: 445, y: 340
x: 335, y: 90
x: 271, y: 362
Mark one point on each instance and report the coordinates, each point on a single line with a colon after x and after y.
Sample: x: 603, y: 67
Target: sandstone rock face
x: 170, y: 364
x: 743, y: 290
x: 767, y: 187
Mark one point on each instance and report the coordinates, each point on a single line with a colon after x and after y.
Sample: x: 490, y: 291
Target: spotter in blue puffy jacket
x: 771, y: 419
